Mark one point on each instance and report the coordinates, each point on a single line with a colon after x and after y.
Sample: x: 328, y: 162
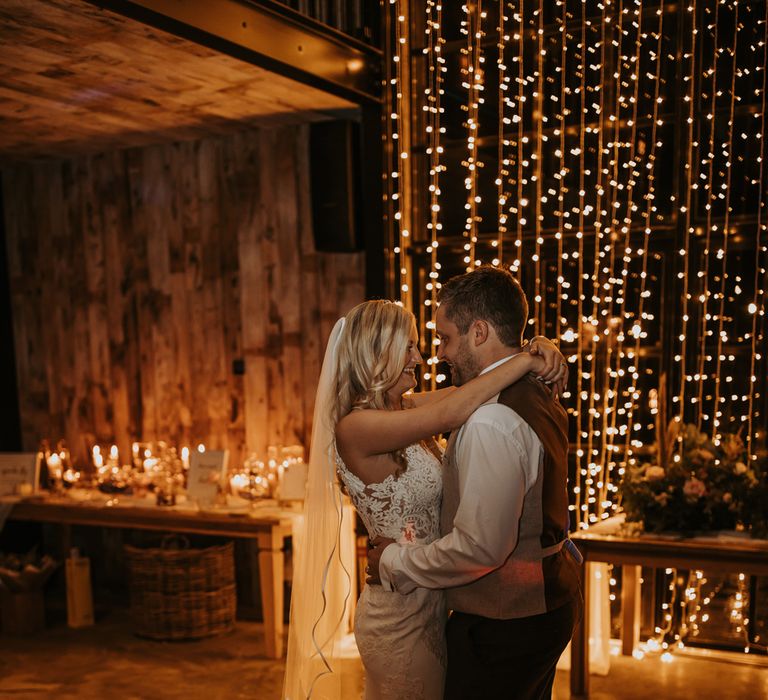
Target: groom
x: 511, y: 574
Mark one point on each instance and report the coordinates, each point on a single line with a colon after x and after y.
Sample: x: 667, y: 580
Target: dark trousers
x: 516, y: 659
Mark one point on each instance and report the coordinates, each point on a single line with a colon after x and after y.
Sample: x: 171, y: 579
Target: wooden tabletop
x: 730, y: 553
x: 147, y: 517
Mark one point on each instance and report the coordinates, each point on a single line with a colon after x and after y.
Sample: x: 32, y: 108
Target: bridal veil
x: 323, y: 557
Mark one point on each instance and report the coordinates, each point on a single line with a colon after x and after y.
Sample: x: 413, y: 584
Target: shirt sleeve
x: 494, y: 464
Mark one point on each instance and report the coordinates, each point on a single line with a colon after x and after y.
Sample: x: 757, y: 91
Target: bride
x: 387, y: 461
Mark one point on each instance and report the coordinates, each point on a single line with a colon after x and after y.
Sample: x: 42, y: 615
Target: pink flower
x: 409, y: 532
x: 693, y: 488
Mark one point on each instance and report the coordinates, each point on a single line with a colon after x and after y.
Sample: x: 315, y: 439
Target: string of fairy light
x: 757, y: 306
x: 504, y: 101
x: 518, y: 204
x: 473, y: 81
x: 398, y: 135
x: 685, y: 209
x: 582, y: 131
x: 588, y: 427
x: 722, y: 253
x: 650, y: 208
x: 433, y: 94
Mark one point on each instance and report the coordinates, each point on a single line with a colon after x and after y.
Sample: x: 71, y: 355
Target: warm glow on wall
x: 610, y: 154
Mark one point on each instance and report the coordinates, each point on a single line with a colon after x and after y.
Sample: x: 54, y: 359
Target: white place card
x: 206, y: 471
x: 19, y: 473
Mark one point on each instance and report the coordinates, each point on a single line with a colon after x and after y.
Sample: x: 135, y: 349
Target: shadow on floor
x: 108, y: 661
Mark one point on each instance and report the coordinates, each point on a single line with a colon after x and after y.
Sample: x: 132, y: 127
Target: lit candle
x: 201, y: 448
x: 185, y: 457
x: 98, y: 460
x: 114, y: 455
x: 238, y: 482
x: 54, y: 465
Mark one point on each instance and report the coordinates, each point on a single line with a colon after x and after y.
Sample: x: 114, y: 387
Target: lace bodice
x: 407, y: 508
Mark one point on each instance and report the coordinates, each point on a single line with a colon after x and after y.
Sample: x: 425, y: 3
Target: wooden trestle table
x: 711, y: 554
x: 268, y: 527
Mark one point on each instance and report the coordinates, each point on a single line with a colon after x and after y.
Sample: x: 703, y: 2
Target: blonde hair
x: 370, y: 358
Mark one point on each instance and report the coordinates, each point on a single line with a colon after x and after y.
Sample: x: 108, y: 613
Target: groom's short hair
x: 489, y: 294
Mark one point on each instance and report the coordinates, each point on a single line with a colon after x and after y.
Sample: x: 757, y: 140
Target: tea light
x: 238, y: 482
x: 54, y: 465
x: 71, y: 476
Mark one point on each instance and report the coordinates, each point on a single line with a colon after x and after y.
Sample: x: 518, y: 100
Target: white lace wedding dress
x: 401, y: 638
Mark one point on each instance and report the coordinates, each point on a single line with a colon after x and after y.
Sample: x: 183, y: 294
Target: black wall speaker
x: 334, y: 164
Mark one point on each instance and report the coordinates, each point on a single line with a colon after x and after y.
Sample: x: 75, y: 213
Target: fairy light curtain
x: 612, y: 155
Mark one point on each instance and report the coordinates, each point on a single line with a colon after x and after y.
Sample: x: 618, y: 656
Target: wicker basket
x: 181, y: 593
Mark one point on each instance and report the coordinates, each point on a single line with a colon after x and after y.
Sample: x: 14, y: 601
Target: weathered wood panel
x: 138, y: 277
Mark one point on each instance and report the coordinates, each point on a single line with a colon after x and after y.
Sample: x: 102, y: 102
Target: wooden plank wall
x: 138, y: 277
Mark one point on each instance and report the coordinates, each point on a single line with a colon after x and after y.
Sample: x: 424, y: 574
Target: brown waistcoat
x: 531, y: 581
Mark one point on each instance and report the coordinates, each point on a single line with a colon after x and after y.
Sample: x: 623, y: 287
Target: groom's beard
x: 464, y: 365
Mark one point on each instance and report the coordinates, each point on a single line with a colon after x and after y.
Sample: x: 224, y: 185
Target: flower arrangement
x: 705, y: 487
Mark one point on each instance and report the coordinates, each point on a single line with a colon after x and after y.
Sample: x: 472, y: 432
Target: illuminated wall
x: 611, y: 154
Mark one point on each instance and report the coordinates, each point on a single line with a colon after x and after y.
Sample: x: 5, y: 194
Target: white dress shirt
x: 498, y: 457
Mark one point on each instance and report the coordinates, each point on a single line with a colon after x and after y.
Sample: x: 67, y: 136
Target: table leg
x: 630, y: 608
x: 271, y: 570
x: 580, y: 642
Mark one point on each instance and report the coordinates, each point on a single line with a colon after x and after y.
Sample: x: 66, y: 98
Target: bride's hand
x: 555, y: 370
x: 375, y: 548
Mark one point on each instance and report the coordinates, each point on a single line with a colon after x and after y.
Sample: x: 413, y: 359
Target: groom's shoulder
x: 497, y: 414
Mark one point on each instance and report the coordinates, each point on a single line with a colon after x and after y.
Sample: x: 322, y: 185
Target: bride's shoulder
x: 359, y: 418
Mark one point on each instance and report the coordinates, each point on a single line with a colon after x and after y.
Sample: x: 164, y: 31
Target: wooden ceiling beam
x: 268, y: 35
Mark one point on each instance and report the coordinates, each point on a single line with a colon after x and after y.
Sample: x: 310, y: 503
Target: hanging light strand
x: 592, y: 320
x: 502, y: 174
x: 541, y: 53
x: 690, y: 98
x: 580, y: 264
x: 561, y: 175
x: 621, y: 315
x: 401, y: 146
x: 434, y: 109
x: 757, y: 308
x: 609, y: 251
x: 518, y: 118
x: 704, y: 274
x: 723, y: 252
x: 473, y: 83
x: 650, y: 208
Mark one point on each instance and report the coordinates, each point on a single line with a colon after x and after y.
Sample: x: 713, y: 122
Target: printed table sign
x: 19, y: 473
x: 206, y: 471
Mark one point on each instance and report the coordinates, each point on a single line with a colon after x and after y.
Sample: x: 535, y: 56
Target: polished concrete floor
x: 107, y: 661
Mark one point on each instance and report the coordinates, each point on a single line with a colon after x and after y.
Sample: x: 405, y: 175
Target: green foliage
x: 707, y: 487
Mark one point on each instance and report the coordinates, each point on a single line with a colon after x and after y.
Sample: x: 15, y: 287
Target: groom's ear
x: 479, y: 332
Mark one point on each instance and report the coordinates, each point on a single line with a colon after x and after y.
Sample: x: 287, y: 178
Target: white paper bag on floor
x: 79, y: 596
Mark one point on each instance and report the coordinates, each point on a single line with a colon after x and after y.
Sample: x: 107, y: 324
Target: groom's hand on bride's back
x: 375, y: 547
